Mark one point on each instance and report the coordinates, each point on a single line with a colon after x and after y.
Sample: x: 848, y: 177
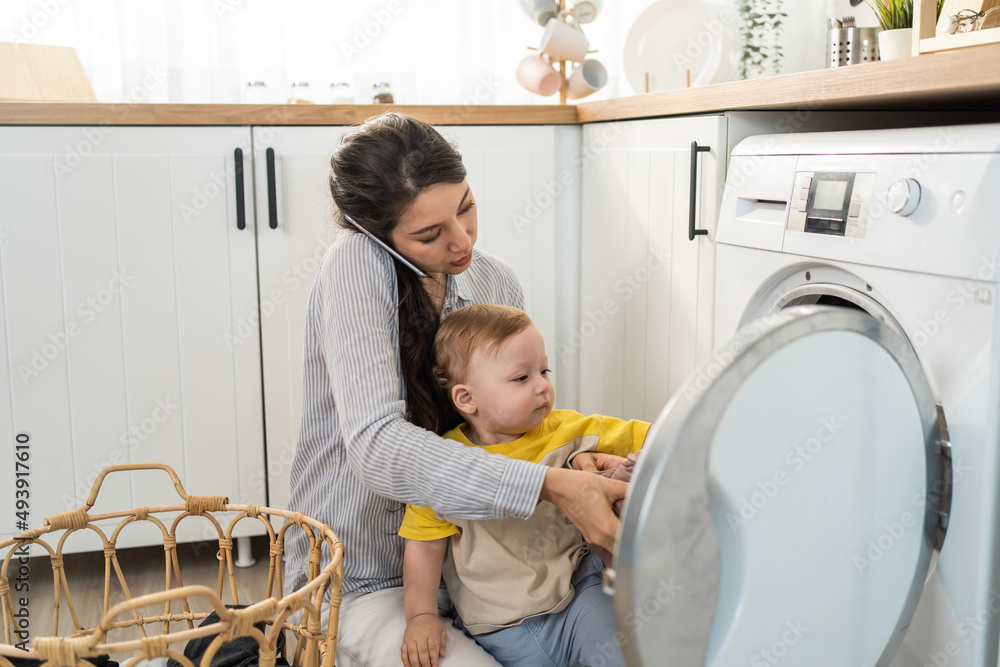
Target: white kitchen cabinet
x: 124, y: 280
x: 512, y: 171
x: 289, y: 255
x: 646, y: 287
x: 132, y: 321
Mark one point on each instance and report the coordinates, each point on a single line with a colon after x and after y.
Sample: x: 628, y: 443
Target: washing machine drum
x: 787, y: 501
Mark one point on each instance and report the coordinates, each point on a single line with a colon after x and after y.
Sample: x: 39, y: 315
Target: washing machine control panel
x: 831, y: 202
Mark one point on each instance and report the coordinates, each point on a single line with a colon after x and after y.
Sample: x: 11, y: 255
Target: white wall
x: 431, y: 51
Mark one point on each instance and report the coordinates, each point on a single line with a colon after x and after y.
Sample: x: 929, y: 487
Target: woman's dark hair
x: 376, y: 173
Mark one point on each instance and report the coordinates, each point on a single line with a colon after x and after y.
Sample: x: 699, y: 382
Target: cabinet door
x: 297, y: 161
x: 507, y: 168
x: 124, y: 276
x: 646, y: 299
x: 514, y: 176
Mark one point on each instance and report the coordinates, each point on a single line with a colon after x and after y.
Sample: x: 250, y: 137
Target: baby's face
x: 511, y: 386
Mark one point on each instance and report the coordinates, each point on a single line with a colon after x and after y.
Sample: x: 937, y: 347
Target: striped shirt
x: 358, y: 460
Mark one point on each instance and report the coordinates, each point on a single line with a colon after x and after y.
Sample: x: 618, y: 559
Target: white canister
x: 382, y: 93
x: 895, y: 44
x: 340, y: 93
x: 255, y: 92
x: 300, y: 92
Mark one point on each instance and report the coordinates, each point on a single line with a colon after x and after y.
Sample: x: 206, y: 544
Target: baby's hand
x: 424, y: 641
x: 596, y: 461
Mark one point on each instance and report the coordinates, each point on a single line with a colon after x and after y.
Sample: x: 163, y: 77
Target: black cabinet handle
x: 695, y: 149
x: 272, y: 194
x: 241, y: 212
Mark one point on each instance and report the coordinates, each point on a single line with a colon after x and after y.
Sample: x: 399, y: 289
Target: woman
x: 371, y: 408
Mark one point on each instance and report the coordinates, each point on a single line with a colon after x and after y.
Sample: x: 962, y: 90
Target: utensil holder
x: 850, y: 46
x: 864, y: 45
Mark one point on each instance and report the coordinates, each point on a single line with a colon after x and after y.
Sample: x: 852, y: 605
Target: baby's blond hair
x: 483, y: 327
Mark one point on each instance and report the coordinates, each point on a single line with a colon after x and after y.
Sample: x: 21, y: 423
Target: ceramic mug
x: 535, y: 72
x: 564, y: 41
x: 588, y: 77
x: 540, y: 11
x: 585, y: 11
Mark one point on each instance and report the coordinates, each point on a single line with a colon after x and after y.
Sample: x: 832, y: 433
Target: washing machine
x: 823, y: 489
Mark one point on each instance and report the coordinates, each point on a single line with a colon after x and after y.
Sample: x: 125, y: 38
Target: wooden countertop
x: 966, y: 78
x: 58, y: 113
x: 961, y: 79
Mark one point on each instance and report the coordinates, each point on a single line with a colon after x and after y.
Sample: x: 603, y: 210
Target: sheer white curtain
x: 204, y: 51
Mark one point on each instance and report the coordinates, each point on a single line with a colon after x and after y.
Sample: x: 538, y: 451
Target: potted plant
x: 896, y: 18
x: 761, y: 37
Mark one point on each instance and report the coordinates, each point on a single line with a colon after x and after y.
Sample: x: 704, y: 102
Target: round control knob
x: 903, y: 196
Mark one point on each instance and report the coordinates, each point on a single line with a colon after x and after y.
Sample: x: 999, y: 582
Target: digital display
x: 830, y: 195
x: 833, y: 203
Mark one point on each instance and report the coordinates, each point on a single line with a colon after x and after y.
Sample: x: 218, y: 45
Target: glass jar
x: 255, y: 92
x: 340, y: 93
x: 299, y: 92
x: 381, y: 93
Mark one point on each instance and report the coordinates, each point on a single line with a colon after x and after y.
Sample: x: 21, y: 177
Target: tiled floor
x: 144, y: 572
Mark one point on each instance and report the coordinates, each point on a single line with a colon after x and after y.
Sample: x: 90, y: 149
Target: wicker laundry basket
x: 313, y: 647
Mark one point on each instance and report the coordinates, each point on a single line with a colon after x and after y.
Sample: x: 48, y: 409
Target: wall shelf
x: 926, y: 40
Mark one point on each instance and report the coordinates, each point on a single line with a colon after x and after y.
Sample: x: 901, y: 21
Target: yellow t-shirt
x: 521, y: 568
x: 560, y: 429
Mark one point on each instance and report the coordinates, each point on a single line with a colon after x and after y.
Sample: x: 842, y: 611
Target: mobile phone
x: 392, y: 252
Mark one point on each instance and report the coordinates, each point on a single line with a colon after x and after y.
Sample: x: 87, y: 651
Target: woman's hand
x: 424, y: 641
x: 596, y: 461
x: 586, y: 499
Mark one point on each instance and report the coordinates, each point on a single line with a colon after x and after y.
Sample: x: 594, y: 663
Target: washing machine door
x: 787, y: 501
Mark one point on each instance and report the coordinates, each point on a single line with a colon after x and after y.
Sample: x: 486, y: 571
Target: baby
x: 528, y: 591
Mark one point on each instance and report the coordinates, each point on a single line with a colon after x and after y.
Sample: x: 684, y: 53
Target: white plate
x: 672, y: 36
